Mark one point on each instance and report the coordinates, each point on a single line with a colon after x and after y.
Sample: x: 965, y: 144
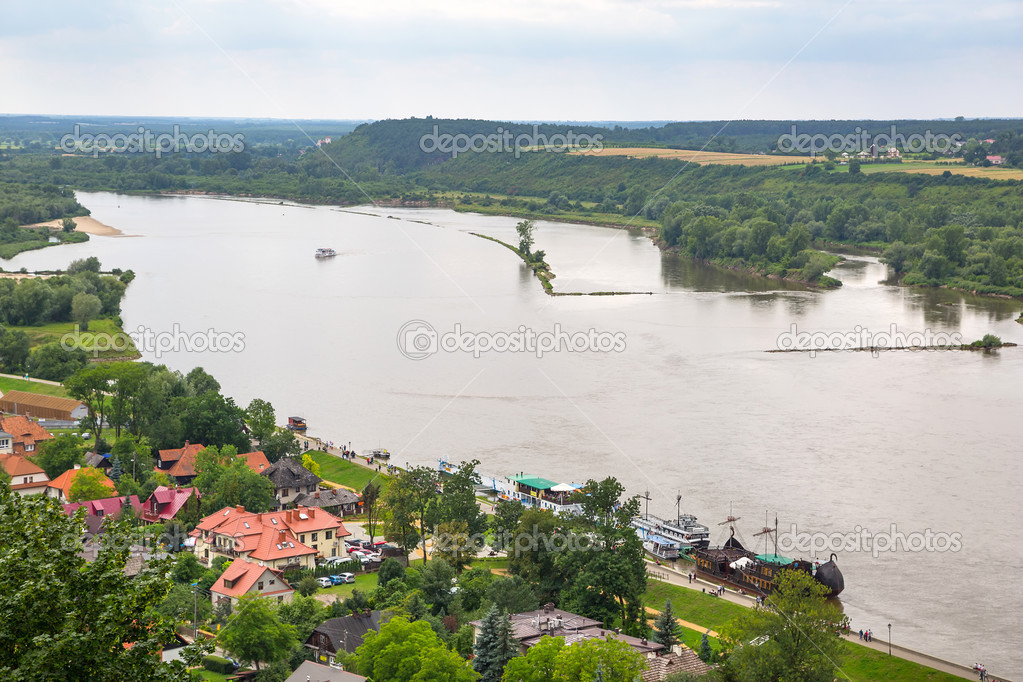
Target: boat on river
x: 325, y: 253
x: 684, y: 530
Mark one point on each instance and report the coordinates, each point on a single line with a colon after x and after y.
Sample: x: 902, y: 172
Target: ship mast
x: 646, y: 496
x: 767, y: 530
x: 731, y: 519
x: 678, y: 508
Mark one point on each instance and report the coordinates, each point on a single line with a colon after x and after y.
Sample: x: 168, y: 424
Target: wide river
x: 922, y: 446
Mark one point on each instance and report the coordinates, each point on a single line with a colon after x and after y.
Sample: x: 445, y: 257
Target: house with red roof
x: 288, y: 539
x: 27, y: 477
x: 256, y: 461
x: 179, y: 463
x: 21, y: 436
x: 60, y: 487
x: 165, y: 503
x: 995, y: 160
x: 108, y: 506
x: 247, y: 577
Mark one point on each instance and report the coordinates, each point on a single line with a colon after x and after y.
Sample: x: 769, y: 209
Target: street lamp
x: 889, y: 639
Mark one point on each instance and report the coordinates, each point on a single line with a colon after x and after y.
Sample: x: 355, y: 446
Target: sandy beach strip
x: 86, y: 224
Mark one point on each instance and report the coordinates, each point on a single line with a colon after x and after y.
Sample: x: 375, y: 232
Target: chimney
x: 259, y: 517
x: 312, y: 510
x: 240, y: 509
x: 287, y: 516
x: 317, y: 496
x: 282, y: 537
x: 186, y: 444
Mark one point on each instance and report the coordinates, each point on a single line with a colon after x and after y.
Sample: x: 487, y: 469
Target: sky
x: 570, y: 60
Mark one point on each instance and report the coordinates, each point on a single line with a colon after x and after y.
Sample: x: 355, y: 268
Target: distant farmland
x: 932, y: 168
x: 694, y: 156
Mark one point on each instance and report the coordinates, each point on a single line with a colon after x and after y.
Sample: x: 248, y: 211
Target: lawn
x: 342, y: 472
x: 695, y: 607
x: 212, y: 676
x: 31, y: 387
x: 861, y: 663
x: 113, y: 343
x: 364, y: 582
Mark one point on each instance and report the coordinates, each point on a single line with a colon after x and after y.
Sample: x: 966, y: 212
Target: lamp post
x: 889, y: 639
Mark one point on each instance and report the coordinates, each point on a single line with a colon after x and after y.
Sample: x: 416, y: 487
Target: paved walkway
x: 38, y: 381
x: 680, y: 579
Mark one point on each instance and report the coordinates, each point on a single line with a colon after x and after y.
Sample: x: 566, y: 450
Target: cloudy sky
x: 531, y: 59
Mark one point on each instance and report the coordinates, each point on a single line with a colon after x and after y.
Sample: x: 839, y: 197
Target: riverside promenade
x: 680, y: 578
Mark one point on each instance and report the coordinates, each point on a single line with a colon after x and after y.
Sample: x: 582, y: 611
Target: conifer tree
x: 495, y: 646
x: 667, y: 631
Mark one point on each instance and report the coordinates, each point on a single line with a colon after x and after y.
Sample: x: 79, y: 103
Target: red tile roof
x: 64, y: 481
x: 270, y: 536
x: 19, y: 465
x: 183, y: 458
x: 165, y: 503
x: 243, y: 575
x: 25, y: 432
x: 257, y: 461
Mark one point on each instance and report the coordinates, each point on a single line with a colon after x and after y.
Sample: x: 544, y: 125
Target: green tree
x: 472, y: 587
x: 705, y: 651
x: 534, y: 551
x: 304, y: 612
x: 525, y: 231
x: 512, y: 594
x: 495, y: 646
x: 59, y: 454
x: 261, y: 418
x: 91, y: 385
x: 370, y: 495
x: 307, y: 586
x: 667, y: 630
x: 199, y: 382
x: 187, y: 569
x: 67, y: 225
x: 89, y: 485
x: 550, y: 660
x: 390, y: 569
x: 458, y: 503
x: 408, y: 499
x: 438, y: 579
x: 255, y: 634
x: 232, y: 483
x: 101, y: 609
x: 52, y: 362
x: 14, y: 350
x: 794, y: 636
x: 310, y: 464
x: 504, y: 523
x: 409, y: 652
x: 85, y: 307
x: 212, y: 419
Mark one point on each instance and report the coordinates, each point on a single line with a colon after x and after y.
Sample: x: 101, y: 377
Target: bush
x: 218, y: 664
x: 307, y: 585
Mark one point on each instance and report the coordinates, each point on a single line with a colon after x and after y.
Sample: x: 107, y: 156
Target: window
x: 314, y: 537
x: 301, y: 538
x: 310, y: 489
x: 314, y: 546
x: 259, y: 585
x: 328, y: 535
x: 333, y: 551
x: 30, y: 447
x: 206, y: 554
x: 280, y: 600
x: 272, y: 582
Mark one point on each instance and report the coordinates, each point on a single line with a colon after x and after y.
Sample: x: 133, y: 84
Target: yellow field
x: 932, y: 168
x: 723, y: 158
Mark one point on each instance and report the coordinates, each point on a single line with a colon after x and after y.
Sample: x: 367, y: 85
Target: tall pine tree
x: 495, y: 646
x: 667, y: 631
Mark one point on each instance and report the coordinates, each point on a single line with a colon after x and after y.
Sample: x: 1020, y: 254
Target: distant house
x: 165, y: 503
x: 27, y: 477
x: 179, y: 463
x: 285, y: 540
x: 60, y: 487
x: 256, y: 461
x: 528, y: 628
x: 42, y: 406
x: 290, y: 480
x: 94, y: 459
x: 342, y: 634
x: 311, y: 671
x: 108, y: 506
x: 681, y: 659
x: 337, y: 501
x: 996, y: 160
x: 21, y: 436
x: 245, y: 577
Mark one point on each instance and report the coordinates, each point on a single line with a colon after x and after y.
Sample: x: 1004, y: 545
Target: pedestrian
x: 861, y: 634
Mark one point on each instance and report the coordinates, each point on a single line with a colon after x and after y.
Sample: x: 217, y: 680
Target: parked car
x: 324, y: 582
x: 342, y: 578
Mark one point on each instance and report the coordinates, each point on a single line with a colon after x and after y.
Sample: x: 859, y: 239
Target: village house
x: 27, y: 477
x: 179, y: 463
x: 21, y: 436
x: 60, y: 487
x: 291, y: 480
x: 342, y: 635
x: 339, y: 501
x: 284, y: 540
x: 529, y: 627
x: 108, y: 506
x: 165, y: 503
x: 995, y: 160
x: 245, y: 577
x: 42, y: 406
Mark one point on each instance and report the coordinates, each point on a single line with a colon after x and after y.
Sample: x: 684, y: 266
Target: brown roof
x: 25, y: 432
x: 64, y: 481
x: 183, y: 458
x: 19, y: 465
x: 257, y: 461
x: 245, y: 574
x: 39, y: 400
x: 684, y: 661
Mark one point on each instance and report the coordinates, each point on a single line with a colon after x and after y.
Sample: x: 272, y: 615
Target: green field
x: 113, y: 344
x: 364, y: 582
x: 31, y: 387
x: 861, y: 663
x: 337, y: 470
x: 696, y: 607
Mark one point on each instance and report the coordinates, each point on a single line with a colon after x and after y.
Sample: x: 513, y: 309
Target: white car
x: 324, y: 582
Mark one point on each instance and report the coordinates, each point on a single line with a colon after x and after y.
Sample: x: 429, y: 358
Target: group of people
x: 979, y: 667
x: 866, y: 635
